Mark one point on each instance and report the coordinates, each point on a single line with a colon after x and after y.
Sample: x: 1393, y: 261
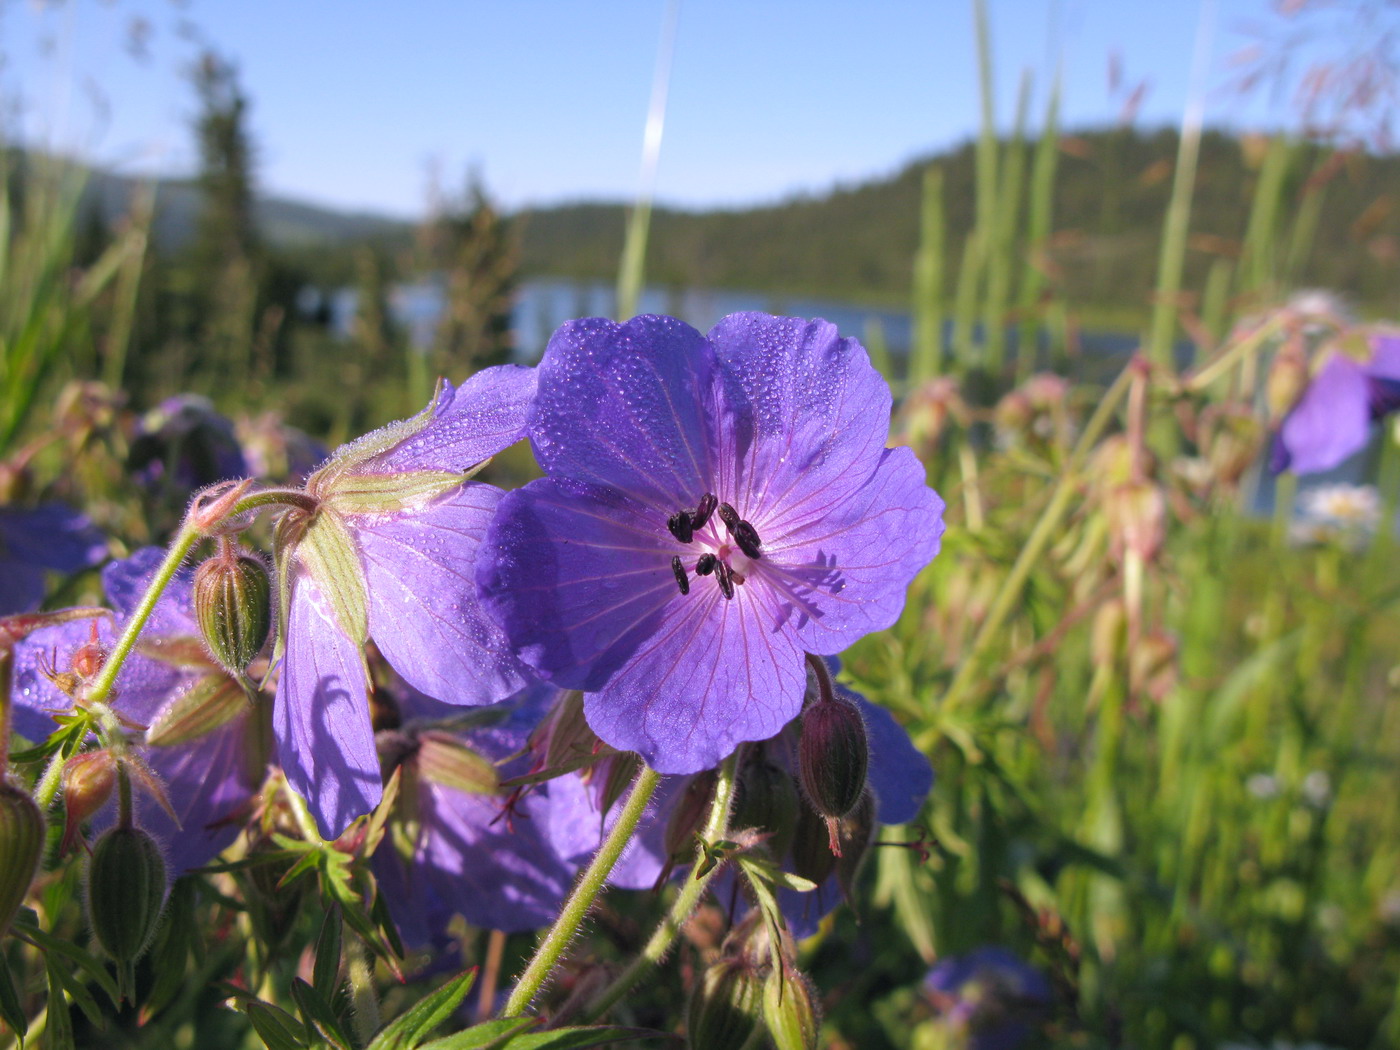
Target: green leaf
x: 171, y: 951
x: 483, y: 1034
x: 575, y: 1038
x: 317, y: 1013
x: 60, y: 1022
x: 85, y: 962
x: 77, y: 991
x: 275, y: 1027
x: 432, y: 1010
x: 11, y: 1012
x: 325, y: 974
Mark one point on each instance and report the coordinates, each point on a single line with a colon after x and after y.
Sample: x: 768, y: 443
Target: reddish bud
x: 833, y: 756
x: 88, y: 782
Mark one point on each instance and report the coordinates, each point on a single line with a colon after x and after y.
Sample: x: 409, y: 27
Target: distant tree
x: 473, y: 250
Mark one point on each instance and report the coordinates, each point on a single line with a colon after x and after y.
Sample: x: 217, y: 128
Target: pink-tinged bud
x: 926, y: 412
x: 1288, y: 377
x: 88, y: 782
x: 21, y: 847
x: 832, y: 759
x: 725, y: 1007
x: 565, y: 738
x: 789, y: 1010
x: 1137, y: 513
x: 233, y: 603
x: 765, y: 798
x: 445, y: 760
x: 126, y: 893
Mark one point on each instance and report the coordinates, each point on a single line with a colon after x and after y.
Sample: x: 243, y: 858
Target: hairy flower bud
x: 833, y: 756
x: 88, y: 782
x: 126, y: 892
x: 765, y: 798
x: 789, y: 1010
x: 724, y: 1007
x: 232, y: 600
x: 21, y: 846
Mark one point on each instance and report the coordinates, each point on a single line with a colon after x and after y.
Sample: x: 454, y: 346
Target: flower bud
x: 212, y: 702
x: 789, y: 1010
x: 833, y: 756
x: 812, y: 856
x: 1288, y: 376
x: 856, y: 836
x: 1137, y: 513
x: 445, y: 760
x: 88, y: 780
x: 724, y: 1007
x: 689, y: 816
x: 232, y: 600
x: 765, y: 798
x: 126, y: 892
x: 21, y: 846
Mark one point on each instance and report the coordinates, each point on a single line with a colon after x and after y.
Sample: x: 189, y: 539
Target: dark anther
x: 682, y: 580
x: 706, y: 507
x: 746, y: 536
x: 705, y: 564
x: 724, y: 575
x: 679, y: 524
x: 729, y: 516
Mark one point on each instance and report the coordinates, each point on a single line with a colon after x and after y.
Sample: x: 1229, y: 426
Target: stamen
x: 679, y: 524
x: 706, y: 507
x: 725, y: 578
x: 682, y: 580
x: 746, y: 536
x: 729, y: 516
x: 705, y: 564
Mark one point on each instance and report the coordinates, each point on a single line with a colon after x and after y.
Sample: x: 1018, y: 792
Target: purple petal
x: 1330, y: 422
x: 899, y: 773
x: 575, y: 828
x: 321, y: 717
x: 838, y: 572
x: 1385, y: 356
x: 628, y: 406
x: 420, y: 572
x: 35, y: 540
x: 800, y: 400
x: 578, y: 576
x: 471, y: 423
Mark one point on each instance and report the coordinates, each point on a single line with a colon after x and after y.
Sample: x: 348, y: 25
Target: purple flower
x: 463, y: 849
x: 36, y: 540
x: 989, y: 996
x: 1332, y: 420
x: 714, y: 507
x: 389, y: 554
x: 183, y: 444
x: 209, y: 762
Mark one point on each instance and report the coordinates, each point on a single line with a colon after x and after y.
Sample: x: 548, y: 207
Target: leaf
x: 317, y: 1013
x: 172, y: 947
x: 406, y: 1032
x: 275, y: 1027
x: 325, y: 974
x: 77, y: 991
x: 60, y: 1021
x: 90, y: 966
x: 483, y: 1034
x: 11, y: 1012
x: 575, y: 1038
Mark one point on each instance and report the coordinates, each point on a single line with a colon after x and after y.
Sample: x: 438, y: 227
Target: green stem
x: 126, y: 811
x: 184, y: 541
x: 716, y: 827
x: 587, y: 890
x: 1040, y: 537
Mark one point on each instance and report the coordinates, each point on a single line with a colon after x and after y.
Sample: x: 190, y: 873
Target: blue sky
x: 365, y: 105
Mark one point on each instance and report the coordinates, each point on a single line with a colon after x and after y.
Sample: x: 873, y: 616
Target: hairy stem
x: 716, y: 827
x: 584, y: 894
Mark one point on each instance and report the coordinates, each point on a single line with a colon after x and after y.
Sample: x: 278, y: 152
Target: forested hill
x: 1110, y: 196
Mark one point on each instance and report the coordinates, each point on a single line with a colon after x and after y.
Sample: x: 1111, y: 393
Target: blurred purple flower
x: 748, y: 467
x: 210, y: 776
x: 389, y: 554
x: 36, y: 540
x: 184, y: 444
x: 989, y: 996
x: 1332, y: 420
x: 469, y: 852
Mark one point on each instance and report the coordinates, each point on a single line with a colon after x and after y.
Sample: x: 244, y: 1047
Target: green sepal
x: 327, y: 552
x: 362, y: 450
x: 391, y: 493
x: 212, y: 702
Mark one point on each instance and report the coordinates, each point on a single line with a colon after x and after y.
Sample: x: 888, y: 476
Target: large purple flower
x: 36, y: 540
x: 202, y: 732
x: 389, y: 553
x: 714, y: 507
x: 989, y: 997
x: 1332, y: 420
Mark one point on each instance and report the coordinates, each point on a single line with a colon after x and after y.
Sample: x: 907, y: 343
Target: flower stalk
x: 584, y: 894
